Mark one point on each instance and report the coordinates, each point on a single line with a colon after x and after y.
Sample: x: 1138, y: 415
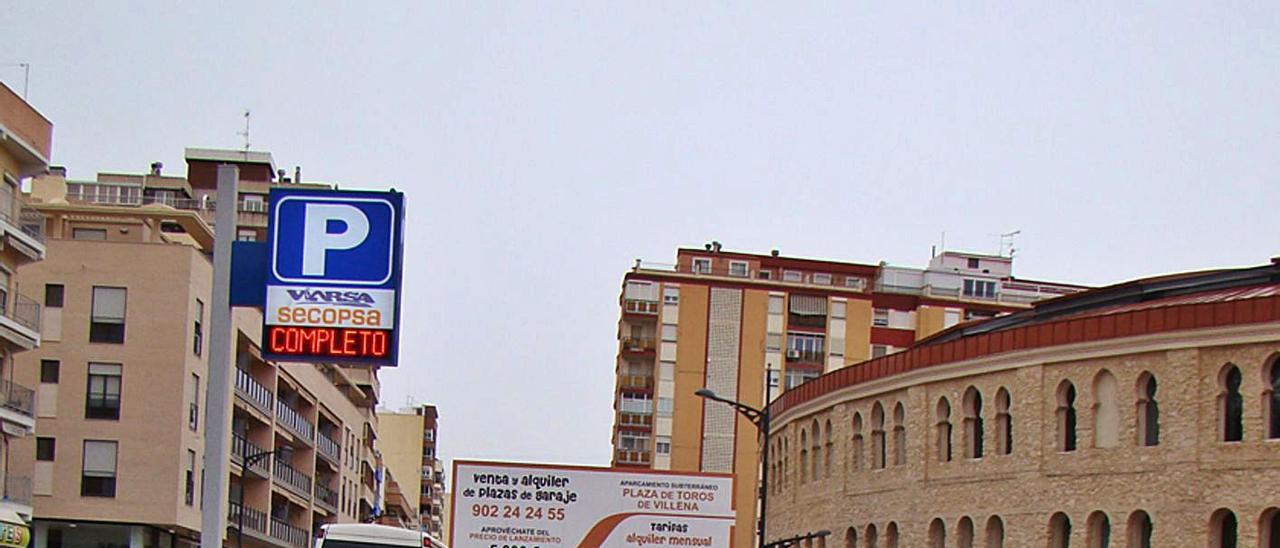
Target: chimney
x: 297, y: 174
x: 156, y: 168
x: 715, y: 246
x: 773, y: 252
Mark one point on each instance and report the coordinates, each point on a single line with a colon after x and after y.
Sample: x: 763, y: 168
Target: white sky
x: 544, y: 147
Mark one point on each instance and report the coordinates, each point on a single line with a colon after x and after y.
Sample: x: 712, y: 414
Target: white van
x: 353, y: 535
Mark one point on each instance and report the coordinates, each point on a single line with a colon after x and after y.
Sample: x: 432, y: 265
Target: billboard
x: 333, y: 277
x: 499, y: 505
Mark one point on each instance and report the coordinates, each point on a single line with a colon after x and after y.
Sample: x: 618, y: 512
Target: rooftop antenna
x: 245, y: 133
x: 1006, y: 242
x: 26, y: 75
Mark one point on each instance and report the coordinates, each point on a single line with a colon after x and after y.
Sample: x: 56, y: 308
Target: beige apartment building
x: 409, y: 450
x: 120, y: 384
x: 25, y: 141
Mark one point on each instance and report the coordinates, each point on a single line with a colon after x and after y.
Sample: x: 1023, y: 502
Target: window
x: 805, y: 347
x: 1066, y: 417
x: 890, y: 536
x: 670, y: 295
x: 668, y: 333
x: 1148, y: 412
x: 973, y: 426
x: 792, y: 276
x: 817, y: 451
x: 1004, y: 423
x: 973, y: 263
x: 103, y: 398
x: 738, y: 268
x: 880, y: 317
x: 964, y: 533
x: 98, y: 471
x: 1059, y: 531
x: 193, y: 410
x: 246, y: 235
x: 804, y: 456
x: 827, y: 454
x: 1099, y: 529
x: 1106, y: 413
x: 1140, y: 528
x: 702, y: 266
x: 985, y: 289
x: 772, y: 379
x: 88, y: 234
x: 773, y: 342
x: 191, y: 478
x: 107, y: 323
x: 636, y: 403
x: 775, y: 304
x: 871, y: 535
x: 197, y: 342
x: 855, y: 452
x: 822, y: 278
x: 663, y: 445
x: 797, y: 377
x: 858, y: 284
x: 666, y: 406
x: 995, y: 532
x: 899, y: 435
x: 877, y: 437
x: 937, y: 534
x: 838, y: 309
x: 765, y: 274
x: 49, y: 370
x: 1273, y: 401
x: 879, y: 350
x: 1270, y: 532
x: 45, y: 449
x: 1231, y: 405
x: 943, y: 426
x: 1223, y: 529
x: 851, y: 538
x: 53, y: 294
x: 950, y: 317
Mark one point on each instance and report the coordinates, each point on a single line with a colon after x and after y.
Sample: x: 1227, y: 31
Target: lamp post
x: 760, y: 418
x: 247, y: 461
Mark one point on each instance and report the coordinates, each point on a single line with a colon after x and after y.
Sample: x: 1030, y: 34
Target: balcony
x: 17, y: 490
x: 638, y: 344
x: 326, y: 498
x: 293, y: 536
x: 636, y: 382
x: 636, y: 306
x: 254, y: 519
x: 328, y: 448
x: 257, y: 395
x: 293, y: 480
x: 241, y: 447
x: 293, y: 422
x: 17, y: 398
x: 25, y: 229
x: 22, y: 318
x: 632, y: 457
x: 635, y: 419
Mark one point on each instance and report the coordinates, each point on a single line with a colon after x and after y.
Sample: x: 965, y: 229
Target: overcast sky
x: 543, y: 147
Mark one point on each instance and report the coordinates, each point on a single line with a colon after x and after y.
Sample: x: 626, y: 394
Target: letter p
x: 317, y: 241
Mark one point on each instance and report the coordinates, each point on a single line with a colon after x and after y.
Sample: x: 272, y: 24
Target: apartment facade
x: 25, y: 141
x: 751, y: 326
x: 121, y: 391
x: 409, y: 450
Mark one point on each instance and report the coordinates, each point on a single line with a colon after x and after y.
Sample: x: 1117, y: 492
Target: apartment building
x: 751, y: 326
x: 409, y: 450
x: 25, y: 141
x: 120, y: 386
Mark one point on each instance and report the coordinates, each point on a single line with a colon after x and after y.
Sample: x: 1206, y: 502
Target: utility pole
x: 217, y: 435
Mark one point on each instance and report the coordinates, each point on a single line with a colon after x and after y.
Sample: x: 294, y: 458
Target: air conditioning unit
x: 793, y: 354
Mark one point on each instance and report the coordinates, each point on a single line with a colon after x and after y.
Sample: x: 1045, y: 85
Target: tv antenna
x: 245, y: 133
x: 1006, y: 243
x: 26, y: 75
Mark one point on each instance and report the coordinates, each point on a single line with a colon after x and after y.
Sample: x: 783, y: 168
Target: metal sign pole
x: 217, y: 435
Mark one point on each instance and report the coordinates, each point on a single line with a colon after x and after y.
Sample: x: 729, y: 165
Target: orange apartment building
x: 751, y: 326
x: 25, y: 141
x: 120, y: 391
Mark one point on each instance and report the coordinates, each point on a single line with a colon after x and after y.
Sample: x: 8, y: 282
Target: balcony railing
x: 329, y: 448
x: 292, y: 479
x: 241, y: 446
x: 293, y: 536
x: 634, y: 306
x: 633, y: 457
x: 28, y: 219
x: 254, y: 519
x: 25, y: 311
x: 256, y: 394
x: 18, y: 398
x: 17, y: 489
x: 294, y: 421
x: 326, y: 497
x: 638, y: 344
x: 635, y: 419
x: 637, y: 381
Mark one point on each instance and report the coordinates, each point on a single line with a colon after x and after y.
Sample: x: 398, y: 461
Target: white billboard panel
x: 497, y: 505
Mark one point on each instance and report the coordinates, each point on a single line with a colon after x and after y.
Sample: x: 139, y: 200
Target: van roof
x: 359, y: 531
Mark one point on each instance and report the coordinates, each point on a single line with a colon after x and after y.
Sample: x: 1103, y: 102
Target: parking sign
x: 333, y: 286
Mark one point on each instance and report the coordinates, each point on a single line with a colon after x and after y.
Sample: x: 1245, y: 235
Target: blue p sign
x: 330, y: 239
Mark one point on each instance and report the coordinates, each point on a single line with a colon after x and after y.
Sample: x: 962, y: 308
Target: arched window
x: 872, y: 538
x: 1231, y: 404
x: 944, y: 430
x: 786, y: 461
x: 995, y: 532
x: 816, y: 452
x: 855, y: 452
x: 1106, y: 412
x: 937, y: 534
x: 1140, y: 529
x: 1059, y: 531
x: 964, y: 533
x: 877, y: 436
x: 826, y: 454
x: 1269, y: 528
x: 891, y: 535
x: 804, y: 456
x: 899, y: 435
x: 1223, y: 529
x: 1004, y: 423
x: 1066, y: 416
x: 851, y: 538
x: 1099, y: 530
x: 973, y: 430
x: 1148, y: 412
x: 1273, y: 399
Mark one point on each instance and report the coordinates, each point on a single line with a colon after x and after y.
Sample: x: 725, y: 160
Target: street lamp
x: 760, y: 418
x: 247, y: 461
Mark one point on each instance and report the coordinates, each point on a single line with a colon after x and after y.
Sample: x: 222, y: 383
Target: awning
x: 809, y: 305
